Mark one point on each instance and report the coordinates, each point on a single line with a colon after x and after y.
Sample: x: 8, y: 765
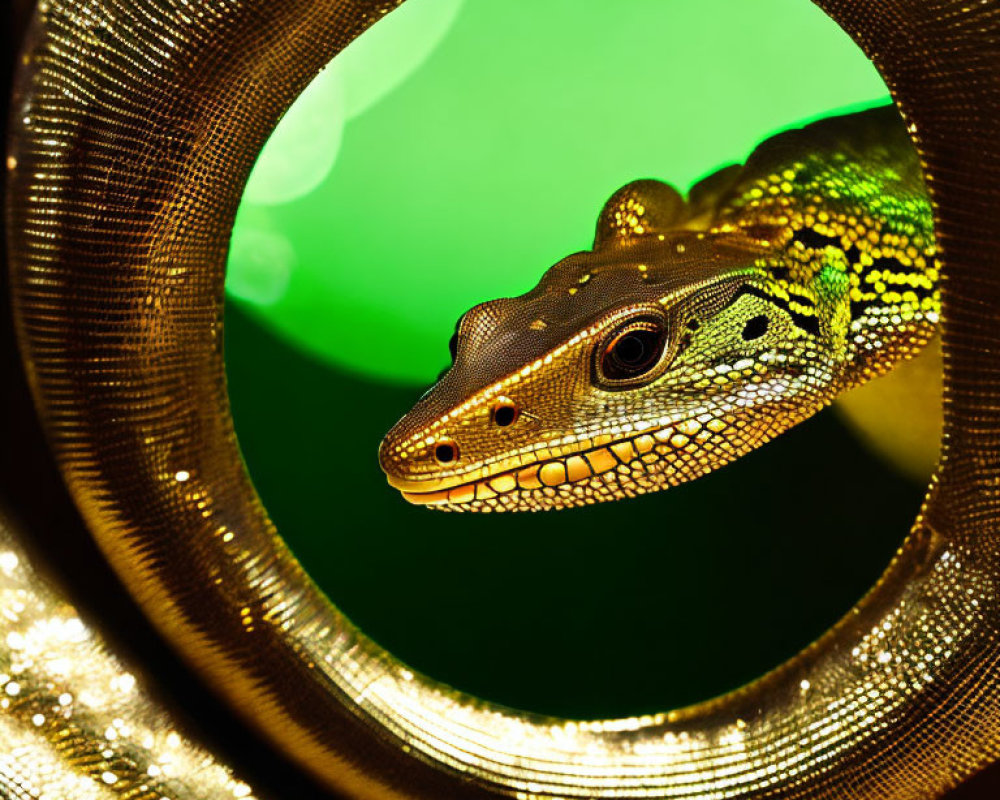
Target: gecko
x: 696, y: 329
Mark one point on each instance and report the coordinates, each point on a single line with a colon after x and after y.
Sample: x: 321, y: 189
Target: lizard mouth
x: 588, y: 472
x: 550, y: 473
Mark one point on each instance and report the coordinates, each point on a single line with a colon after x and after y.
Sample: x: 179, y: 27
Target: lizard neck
x: 857, y: 254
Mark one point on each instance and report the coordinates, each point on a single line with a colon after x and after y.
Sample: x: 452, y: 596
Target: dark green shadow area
x: 611, y: 610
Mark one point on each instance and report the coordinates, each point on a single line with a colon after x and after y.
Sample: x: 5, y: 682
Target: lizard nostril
x: 505, y: 412
x: 446, y: 451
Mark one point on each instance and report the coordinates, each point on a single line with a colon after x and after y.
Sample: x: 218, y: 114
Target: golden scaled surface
x: 135, y: 125
x: 75, y: 723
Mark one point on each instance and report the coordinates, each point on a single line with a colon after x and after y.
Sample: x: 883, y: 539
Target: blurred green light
x: 304, y: 146
x: 376, y: 63
x: 261, y: 264
x: 477, y: 142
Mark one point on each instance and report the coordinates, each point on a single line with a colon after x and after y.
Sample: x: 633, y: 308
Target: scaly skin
x: 774, y: 287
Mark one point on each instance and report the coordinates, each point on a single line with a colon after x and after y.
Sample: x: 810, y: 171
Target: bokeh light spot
x: 260, y: 265
x: 304, y: 146
x: 376, y: 63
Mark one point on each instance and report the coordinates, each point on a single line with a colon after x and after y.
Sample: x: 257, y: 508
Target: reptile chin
x: 624, y: 468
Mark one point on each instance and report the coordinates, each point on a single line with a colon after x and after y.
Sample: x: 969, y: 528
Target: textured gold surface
x: 74, y: 722
x: 136, y: 125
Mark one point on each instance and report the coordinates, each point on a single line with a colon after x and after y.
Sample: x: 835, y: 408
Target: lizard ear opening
x: 640, y: 208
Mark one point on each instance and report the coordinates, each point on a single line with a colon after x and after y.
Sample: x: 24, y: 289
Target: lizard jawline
x: 554, y: 472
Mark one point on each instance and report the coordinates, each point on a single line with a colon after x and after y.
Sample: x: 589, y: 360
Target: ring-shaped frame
x: 135, y: 127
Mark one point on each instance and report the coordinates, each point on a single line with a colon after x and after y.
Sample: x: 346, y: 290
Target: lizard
x: 696, y: 329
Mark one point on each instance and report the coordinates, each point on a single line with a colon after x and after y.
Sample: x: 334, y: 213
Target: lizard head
x: 649, y: 361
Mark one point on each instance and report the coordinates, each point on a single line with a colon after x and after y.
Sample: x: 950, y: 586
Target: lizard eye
x: 632, y: 350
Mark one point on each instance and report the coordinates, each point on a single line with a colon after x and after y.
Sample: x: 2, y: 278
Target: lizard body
x: 695, y: 330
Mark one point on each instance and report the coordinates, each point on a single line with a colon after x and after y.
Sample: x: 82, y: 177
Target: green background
x: 447, y: 157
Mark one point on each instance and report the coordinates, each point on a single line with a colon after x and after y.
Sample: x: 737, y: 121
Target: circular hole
x: 446, y: 452
x: 505, y: 413
x: 444, y: 599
